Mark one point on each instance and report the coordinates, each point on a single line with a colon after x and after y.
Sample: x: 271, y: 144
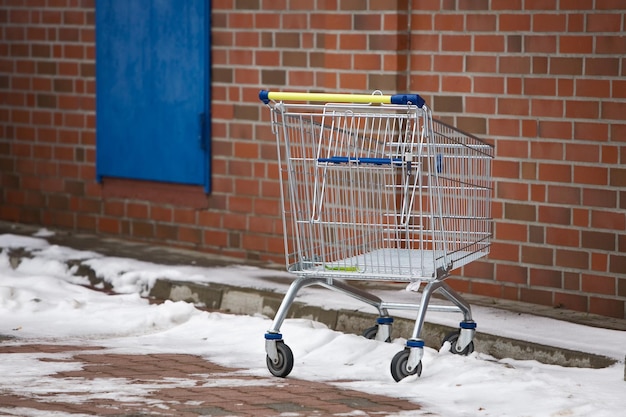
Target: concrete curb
x: 239, y: 300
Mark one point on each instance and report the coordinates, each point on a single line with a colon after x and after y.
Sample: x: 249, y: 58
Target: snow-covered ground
x: 43, y: 301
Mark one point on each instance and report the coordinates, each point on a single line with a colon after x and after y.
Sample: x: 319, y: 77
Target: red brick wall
x: 547, y: 86
x: 47, y: 113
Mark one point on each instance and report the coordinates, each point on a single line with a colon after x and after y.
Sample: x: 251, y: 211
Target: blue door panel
x: 152, y: 67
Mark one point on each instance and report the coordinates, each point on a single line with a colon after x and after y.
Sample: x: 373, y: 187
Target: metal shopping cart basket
x: 374, y: 189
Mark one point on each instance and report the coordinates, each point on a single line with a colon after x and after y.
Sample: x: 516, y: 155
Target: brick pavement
x: 110, y: 384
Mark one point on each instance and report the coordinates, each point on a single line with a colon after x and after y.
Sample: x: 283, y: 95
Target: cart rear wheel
x: 371, y: 332
x: 284, y: 365
x: 399, y: 363
x: 452, y: 338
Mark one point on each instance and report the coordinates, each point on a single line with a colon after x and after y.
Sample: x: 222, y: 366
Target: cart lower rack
x: 374, y: 189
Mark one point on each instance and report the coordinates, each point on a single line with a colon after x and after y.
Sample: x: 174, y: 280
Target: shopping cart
x: 374, y: 189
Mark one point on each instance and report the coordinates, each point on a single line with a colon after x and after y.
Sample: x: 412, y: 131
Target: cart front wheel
x: 284, y: 364
x: 452, y: 338
x: 399, y: 363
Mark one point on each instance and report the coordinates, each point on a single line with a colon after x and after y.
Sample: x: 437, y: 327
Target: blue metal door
x: 152, y: 88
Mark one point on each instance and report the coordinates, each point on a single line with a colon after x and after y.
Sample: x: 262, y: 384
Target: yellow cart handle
x: 265, y: 96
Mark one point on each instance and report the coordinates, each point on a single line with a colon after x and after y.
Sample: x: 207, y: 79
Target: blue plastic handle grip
x: 414, y: 99
x: 264, y: 96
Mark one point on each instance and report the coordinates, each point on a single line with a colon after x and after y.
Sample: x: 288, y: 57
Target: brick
x: 559, y: 194
x: 514, y: 64
x: 512, y: 191
x: 108, y: 225
x: 582, y: 152
x: 555, y: 172
x: 619, y: 89
x: 574, y: 44
x: 510, y: 231
x: 504, y: 127
x: 461, y: 43
x: 577, y: 5
x: 595, y: 197
x: 481, y: 63
x: 606, y: 307
x: 602, y: 66
x: 599, y: 261
x: 384, y: 82
x: 557, y: 129
x: 591, y: 131
x: 596, y: 175
x: 536, y: 296
x: 424, y: 21
x: 604, y: 219
x: 189, y: 235
x: 566, y: 66
x: 519, y: 211
x: 515, y: 274
x: 513, y: 106
x: 448, y: 63
x: 572, y: 259
x: 539, y: 86
x: 570, y: 301
x: 604, y: 22
x: 546, y: 108
x: 598, y: 240
x: 368, y: 22
x: 480, y: 22
x: 593, y: 88
x: 540, y: 44
x: 562, y: 236
x: 166, y: 232
x: 555, y: 215
x: 545, y: 278
x: 613, y: 110
x: 448, y: 104
x: 473, y: 4
x: 585, y: 109
x: 513, y: 22
x: 614, y: 45
x: 544, y: 22
x: 617, y: 177
x: 449, y: 22
x: 247, y: 4
x: 473, y: 125
x: 617, y: 263
x: 506, y: 4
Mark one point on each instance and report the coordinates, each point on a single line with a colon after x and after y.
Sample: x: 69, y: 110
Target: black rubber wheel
x: 370, y: 332
x: 399, y: 363
x: 452, y: 338
x: 285, y: 361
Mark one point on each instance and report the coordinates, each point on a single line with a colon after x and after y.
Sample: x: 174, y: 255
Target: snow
x: 41, y: 301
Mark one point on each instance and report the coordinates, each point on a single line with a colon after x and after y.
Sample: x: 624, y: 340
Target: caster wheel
x: 370, y: 332
x: 284, y: 365
x: 452, y: 338
x: 399, y: 363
